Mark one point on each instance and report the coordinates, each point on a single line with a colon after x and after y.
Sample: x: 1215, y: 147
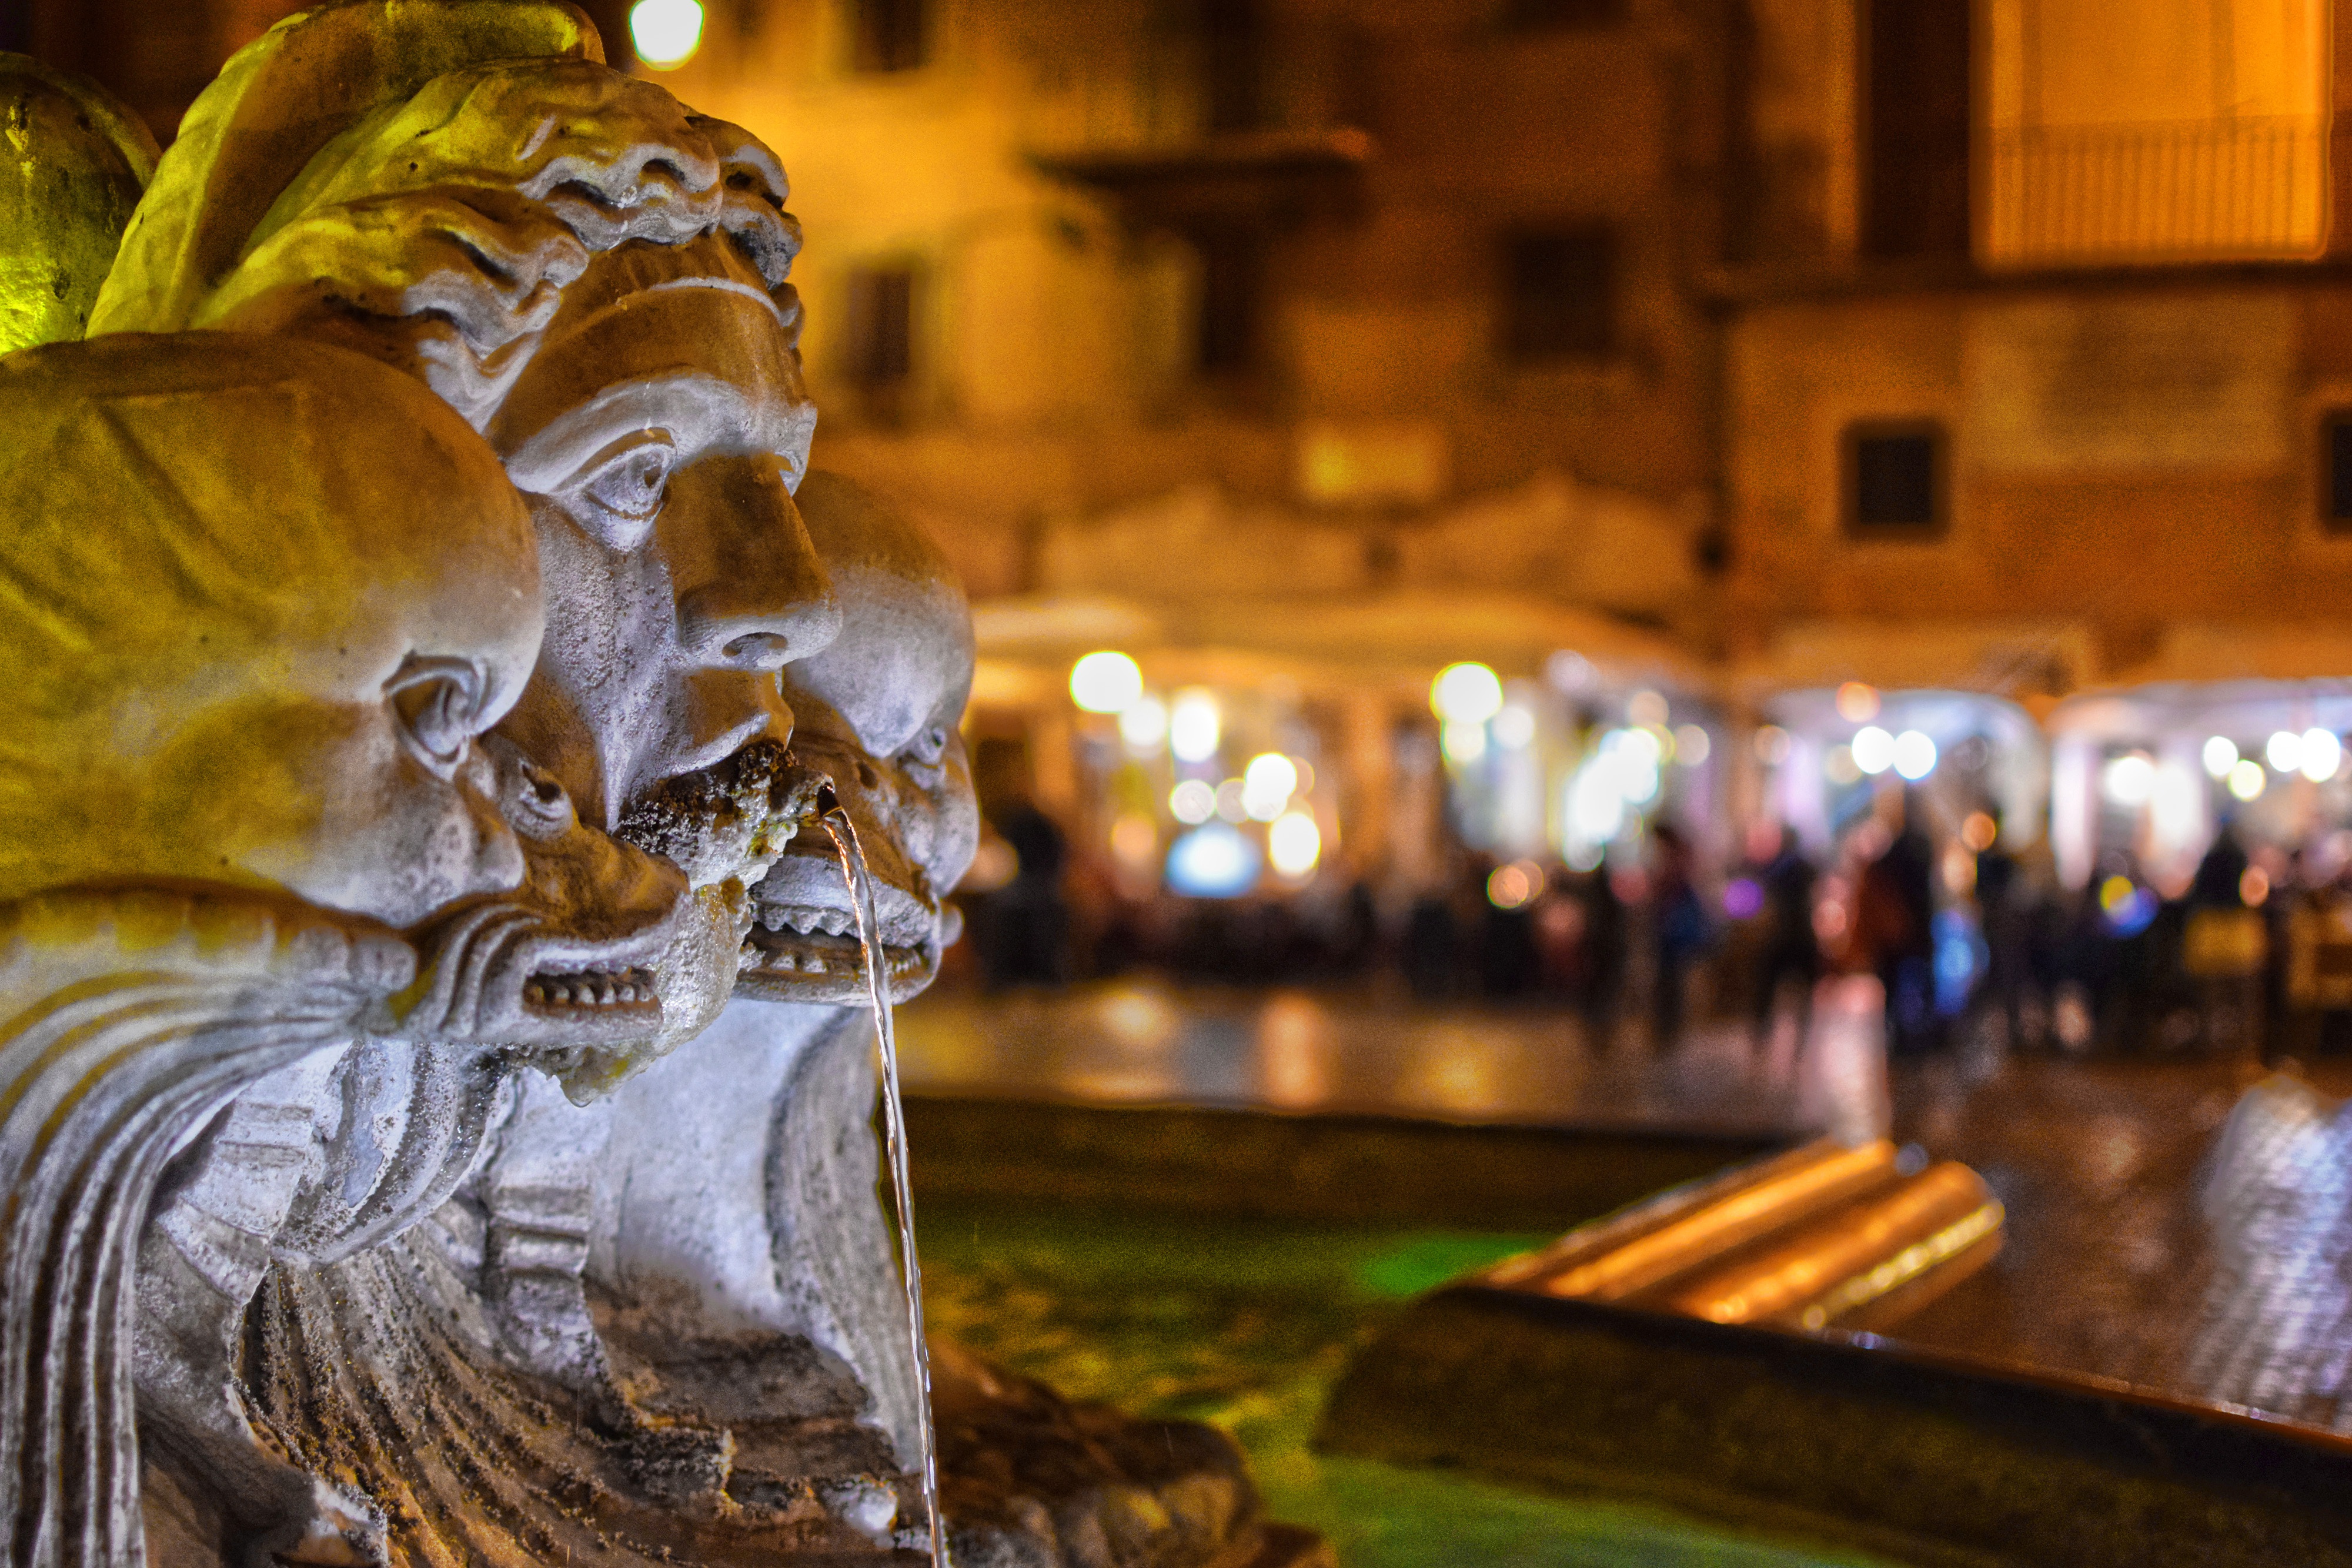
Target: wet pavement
x: 2142, y: 1245
x: 1142, y: 1041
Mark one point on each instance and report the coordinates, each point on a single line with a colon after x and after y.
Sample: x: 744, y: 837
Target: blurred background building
x: 1740, y: 388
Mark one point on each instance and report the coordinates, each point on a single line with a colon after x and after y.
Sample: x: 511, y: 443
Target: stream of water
x: 894, y: 1117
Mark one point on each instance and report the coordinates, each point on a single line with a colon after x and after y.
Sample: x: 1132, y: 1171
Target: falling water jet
x: 869, y: 941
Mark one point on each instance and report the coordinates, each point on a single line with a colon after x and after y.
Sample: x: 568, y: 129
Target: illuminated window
x: 1894, y: 480
x: 1559, y: 290
x: 881, y: 348
x: 1561, y: 15
x: 888, y: 34
x: 2335, y: 471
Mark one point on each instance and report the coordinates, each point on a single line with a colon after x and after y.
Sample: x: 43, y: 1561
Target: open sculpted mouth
x: 804, y: 943
x: 629, y: 992
x: 727, y: 821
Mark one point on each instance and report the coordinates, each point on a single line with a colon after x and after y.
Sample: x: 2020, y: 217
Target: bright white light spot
x: 1143, y: 723
x: 2284, y: 751
x: 1192, y: 802
x: 1691, y: 746
x: 2128, y: 780
x: 1596, y: 809
x: 1104, y: 682
x: 2221, y: 755
x: 1214, y: 862
x: 1463, y: 741
x: 1646, y: 708
x: 1267, y: 785
x: 1915, y: 755
x: 1467, y: 693
x: 2247, y: 780
x: 1294, y: 843
x: 1873, y: 749
x: 1631, y: 757
x: 2322, y: 753
x: 1232, y: 804
x: 666, y: 32
x: 1194, y: 725
x: 1515, y: 726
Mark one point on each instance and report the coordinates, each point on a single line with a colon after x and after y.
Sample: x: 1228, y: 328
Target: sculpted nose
x: 751, y: 594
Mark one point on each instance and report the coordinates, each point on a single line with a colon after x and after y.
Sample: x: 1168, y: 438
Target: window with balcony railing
x: 2248, y: 186
x: 2164, y: 130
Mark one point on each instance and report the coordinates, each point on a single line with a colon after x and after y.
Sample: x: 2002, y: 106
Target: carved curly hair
x: 438, y: 230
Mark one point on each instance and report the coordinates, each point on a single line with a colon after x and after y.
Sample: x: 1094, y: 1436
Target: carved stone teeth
x: 812, y: 964
x: 773, y: 915
x: 788, y: 961
x: 803, y: 920
x: 535, y: 993
x: 835, y: 921
x: 607, y: 994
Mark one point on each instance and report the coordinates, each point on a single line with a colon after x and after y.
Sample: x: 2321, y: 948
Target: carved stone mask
x: 877, y: 713
x: 658, y: 430
x: 266, y: 597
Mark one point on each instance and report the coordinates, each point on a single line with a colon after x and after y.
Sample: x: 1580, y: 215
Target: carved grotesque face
x: 270, y: 595
x: 658, y: 440
x: 877, y: 713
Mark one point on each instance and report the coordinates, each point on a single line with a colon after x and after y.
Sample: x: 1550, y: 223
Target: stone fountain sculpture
x: 401, y: 1299
x: 264, y: 601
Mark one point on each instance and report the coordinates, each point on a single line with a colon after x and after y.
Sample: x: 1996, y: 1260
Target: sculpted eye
x: 626, y: 492
x: 438, y: 704
x: 930, y: 746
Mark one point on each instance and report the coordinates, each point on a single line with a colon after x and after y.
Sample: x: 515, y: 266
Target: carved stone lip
x: 502, y: 976
x: 804, y: 946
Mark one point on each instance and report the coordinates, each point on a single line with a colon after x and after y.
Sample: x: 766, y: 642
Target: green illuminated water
x: 1245, y: 1325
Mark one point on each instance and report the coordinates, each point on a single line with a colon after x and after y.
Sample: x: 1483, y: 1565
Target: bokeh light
x: 665, y: 33
x: 2221, y: 755
x: 1267, y: 785
x: 1143, y: 725
x: 1294, y: 843
x: 2246, y: 779
x: 1194, y: 725
x: 1467, y: 693
x: 1915, y: 755
x: 1873, y: 749
x: 1214, y: 861
x: 2322, y: 753
x: 1463, y: 741
x: 1104, y: 682
x: 1192, y: 802
x: 2128, y: 780
x: 1857, y: 703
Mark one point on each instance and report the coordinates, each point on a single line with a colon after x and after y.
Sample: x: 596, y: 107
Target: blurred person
x: 1792, y: 948
x: 1428, y: 941
x: 2004, y: 910
x: 1678, y: 930
x: 1896, y: 927
x: 1605, y: 952
x: 1024, y: 937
